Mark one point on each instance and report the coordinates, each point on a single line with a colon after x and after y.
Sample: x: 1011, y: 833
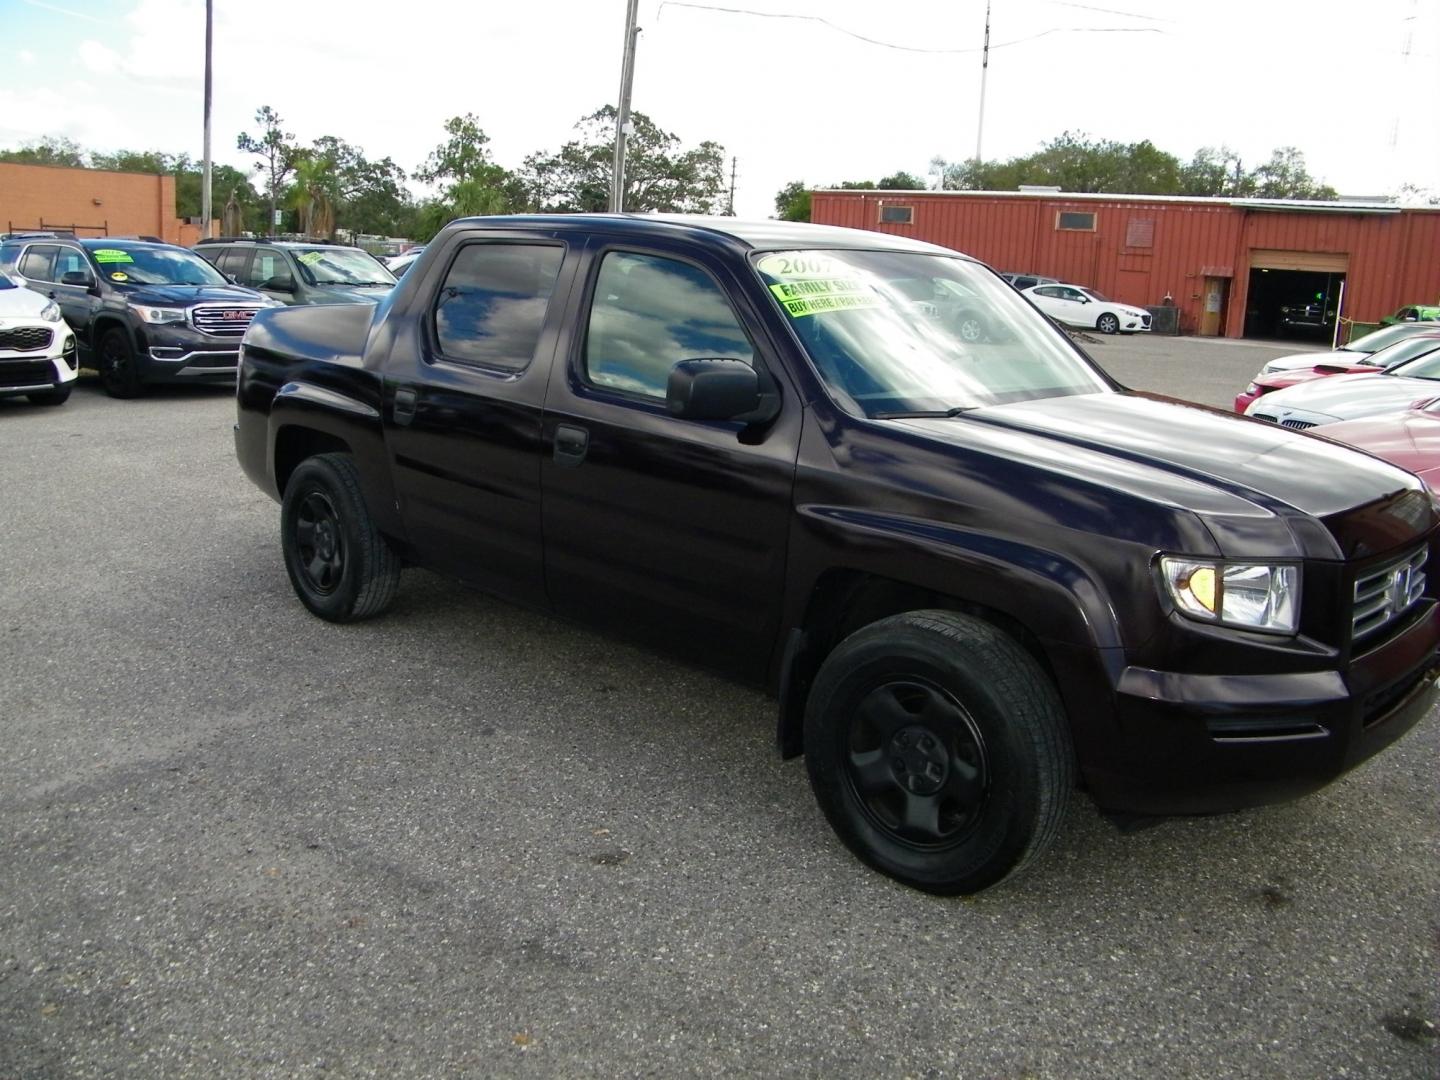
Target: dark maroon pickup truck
x: 868, y: 475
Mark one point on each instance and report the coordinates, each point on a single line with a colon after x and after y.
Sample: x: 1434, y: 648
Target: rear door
x: 464, y: 388
x: 669, y: 529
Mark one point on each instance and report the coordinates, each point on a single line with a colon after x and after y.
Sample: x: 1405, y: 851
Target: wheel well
x: 103, y: 326
x: 293, y: 444
x: 844, y: 601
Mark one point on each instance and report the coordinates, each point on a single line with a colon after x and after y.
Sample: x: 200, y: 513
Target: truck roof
x: 762, y: 235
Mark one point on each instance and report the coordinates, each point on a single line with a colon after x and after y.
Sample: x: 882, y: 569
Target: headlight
x: 50, y: 312
x: 1252, y: 389
x: 1255, y: 596
x: 158, y: 314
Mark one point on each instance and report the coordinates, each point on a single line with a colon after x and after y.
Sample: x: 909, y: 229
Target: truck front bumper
x: 1199, y: 744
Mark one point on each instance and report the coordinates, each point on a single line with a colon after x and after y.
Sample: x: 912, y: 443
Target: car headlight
x: 158, y: 314
x: 50, y: 312
x: 1252, y: 390
x: 1253, y: 596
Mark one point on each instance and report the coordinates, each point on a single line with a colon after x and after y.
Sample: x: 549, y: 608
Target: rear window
x: 492, y: 305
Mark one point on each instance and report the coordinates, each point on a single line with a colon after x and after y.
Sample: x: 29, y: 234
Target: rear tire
x: 58, y: 396
x: 341, y: 568
x: 939, y: 751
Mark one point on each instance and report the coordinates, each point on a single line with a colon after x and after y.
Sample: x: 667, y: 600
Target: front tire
x: 58, y: 396
x: 340, y: 566
x: 1107, y: 324
x: 938, y: 750
x: 118, y: 371
x: 971, y: 328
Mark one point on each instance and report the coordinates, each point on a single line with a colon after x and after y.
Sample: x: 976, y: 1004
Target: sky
x: 1355, y: 86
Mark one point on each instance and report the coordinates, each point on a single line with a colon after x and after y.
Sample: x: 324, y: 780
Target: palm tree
x: 312, y: 195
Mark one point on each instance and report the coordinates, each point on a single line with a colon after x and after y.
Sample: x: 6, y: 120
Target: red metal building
x: 1228, y: 264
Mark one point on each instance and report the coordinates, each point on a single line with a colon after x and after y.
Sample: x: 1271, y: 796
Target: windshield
x: 1380, y: 339
x: 894, y: 333
x: 1425, y: 365
x: 145, y: 265
x: 343, y: 266
x: 1404, y: 352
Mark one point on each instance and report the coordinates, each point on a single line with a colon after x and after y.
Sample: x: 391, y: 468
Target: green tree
x: 1215, y: 172
x: 901, y: 181
x: 314, y: 194
x: 792, y: 202
x: 276, y: 153
x: 1285, y: 176
x: 472, y: 183
x: 660, y: 175
x: 51, y: 150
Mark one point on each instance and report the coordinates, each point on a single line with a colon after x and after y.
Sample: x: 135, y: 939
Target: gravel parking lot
x: 467, y: 839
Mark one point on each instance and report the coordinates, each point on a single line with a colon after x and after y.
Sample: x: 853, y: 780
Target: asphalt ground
x: 471, y: 840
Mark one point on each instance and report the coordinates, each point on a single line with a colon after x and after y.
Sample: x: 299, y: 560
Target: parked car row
x: 140, y: 311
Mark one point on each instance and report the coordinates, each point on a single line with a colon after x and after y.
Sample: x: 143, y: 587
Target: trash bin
x: 1353, y: 330
x: 1164, y: 319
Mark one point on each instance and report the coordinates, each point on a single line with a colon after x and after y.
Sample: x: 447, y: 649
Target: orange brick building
x: 92, y: 202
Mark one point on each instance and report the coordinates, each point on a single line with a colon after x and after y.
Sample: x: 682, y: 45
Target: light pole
x: 984, y: 72
x: 622, y: 118
x: 205, y: 207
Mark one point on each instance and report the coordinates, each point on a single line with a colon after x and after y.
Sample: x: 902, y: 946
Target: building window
x: 897, y: 215
x: 1140, y: 233
x: 1075, y: 221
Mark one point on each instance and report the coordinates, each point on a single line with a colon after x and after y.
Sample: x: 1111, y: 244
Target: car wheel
x: 58, y: 396
x: 970, y: 328
x: 1107, y: 324
x: 938, y: 750
x: 118, y: 372
x: 342, y: 569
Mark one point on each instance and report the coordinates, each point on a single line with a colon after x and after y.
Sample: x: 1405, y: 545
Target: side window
x: 1053, y: 293
x: 492, y: 305
x: 268, y: 267
x: 36, y: 262
x: 68, y: 260
x: 232, y: 261
x: 647, y: 314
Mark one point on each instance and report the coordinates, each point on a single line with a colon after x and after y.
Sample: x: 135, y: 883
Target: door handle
x: 570, y: 444
x: 404, y: 407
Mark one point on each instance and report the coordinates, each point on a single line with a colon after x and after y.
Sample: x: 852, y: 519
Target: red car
x: 1409, y: 439
x: 1403, y: 350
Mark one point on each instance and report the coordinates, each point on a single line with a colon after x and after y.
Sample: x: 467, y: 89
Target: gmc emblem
x: 237, y: 314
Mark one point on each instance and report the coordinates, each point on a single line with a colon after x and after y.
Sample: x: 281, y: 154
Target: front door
x: 670, y: 529
x: 1212, y: 306
x: 464, y: 386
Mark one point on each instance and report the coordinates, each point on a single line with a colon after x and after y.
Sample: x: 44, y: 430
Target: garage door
x: 1319, y: 261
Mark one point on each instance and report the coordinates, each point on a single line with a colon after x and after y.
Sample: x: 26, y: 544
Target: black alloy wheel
x: 938, y: 750
x: 340, y: 565
x: 1108, y: 324
x: 320, y: 543
x: 916, y: 763
x: 118, y: 372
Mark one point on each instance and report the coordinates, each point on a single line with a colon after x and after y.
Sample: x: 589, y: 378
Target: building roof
x: 1322, y: 206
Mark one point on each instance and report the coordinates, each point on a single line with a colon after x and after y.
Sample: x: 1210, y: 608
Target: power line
x: 905, y: 48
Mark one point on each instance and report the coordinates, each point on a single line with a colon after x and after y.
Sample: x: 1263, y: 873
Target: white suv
x: 38, y: 357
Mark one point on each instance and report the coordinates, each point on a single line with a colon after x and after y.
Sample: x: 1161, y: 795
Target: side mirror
x: 279, y: 284
x: 718, y: 388
x: 77, y: 277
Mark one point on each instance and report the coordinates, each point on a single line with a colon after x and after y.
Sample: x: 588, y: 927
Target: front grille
x: 225, y: 320
x: 1387, y: 592
x: 26, y: 373
x: 26, y: 338
x: 1298, y: 425
x: 1145, y: 321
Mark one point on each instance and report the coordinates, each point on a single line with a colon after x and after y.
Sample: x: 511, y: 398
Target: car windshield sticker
x: 811, y: 284
x: 310, y: 258
x: 119, y: 275
x: 111, y: 255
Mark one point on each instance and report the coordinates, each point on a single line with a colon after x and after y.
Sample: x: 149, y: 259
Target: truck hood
x: 1162, y: 445
x: 185, y: 295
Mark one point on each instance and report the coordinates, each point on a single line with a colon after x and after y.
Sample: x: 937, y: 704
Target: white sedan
x: 1351, y: 397
x: 1075, y: 305
x: 38, y: 358
x: 1358, y: 351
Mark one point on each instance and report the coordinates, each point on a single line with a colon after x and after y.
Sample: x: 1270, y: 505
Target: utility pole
x: 731, y: 210
x: 622, y: 118
x: 205, y: 209
x: 984, y: 72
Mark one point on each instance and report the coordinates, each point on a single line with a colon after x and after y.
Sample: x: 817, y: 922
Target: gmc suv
x: 143, y: 311
x: 977, y: 574
x: 300, y: 273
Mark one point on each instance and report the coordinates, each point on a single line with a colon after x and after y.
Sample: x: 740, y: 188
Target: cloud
x: 101, y: 59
